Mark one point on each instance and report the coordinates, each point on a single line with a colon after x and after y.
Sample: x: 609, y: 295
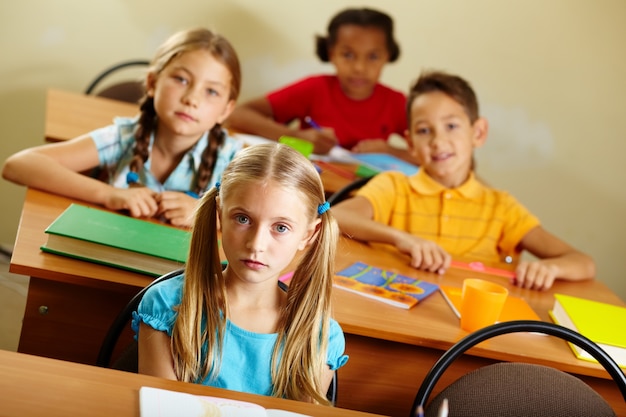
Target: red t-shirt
x: 321, y: 98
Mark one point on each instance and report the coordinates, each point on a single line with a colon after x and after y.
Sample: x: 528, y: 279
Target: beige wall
x: 550, y: 76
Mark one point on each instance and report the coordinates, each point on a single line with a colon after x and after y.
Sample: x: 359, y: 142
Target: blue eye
x: 422, y: 131
x: 241, y: 219
x: 282, y: 228
x: 212, y: 92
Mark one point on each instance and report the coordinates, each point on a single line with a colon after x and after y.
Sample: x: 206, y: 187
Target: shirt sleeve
x: 380, y: 191
x: 156, y: 308
x: 336, y: 347
x: 292, y: 101
x: 112, y: 141
x: 519, y: 221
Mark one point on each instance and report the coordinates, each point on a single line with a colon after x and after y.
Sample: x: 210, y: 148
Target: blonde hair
x: 299, y: 358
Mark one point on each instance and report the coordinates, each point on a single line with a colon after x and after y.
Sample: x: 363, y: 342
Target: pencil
x: 308, y: 120
x: 443, y: 408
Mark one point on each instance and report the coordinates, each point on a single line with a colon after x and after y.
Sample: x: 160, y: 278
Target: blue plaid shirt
x: 115, y: 151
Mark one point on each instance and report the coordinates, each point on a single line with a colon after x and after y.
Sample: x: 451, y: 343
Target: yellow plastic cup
x: 482, y: 303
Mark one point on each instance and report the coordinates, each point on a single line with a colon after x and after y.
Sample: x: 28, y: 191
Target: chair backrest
x: 345, y: 192
x: 511, y: 398
x: 128, y: 360
x: 129, y: 90
x: 122, y: 321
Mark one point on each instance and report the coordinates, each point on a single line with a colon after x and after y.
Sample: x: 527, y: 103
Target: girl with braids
x: 158, y: 163
x: 238, y: 328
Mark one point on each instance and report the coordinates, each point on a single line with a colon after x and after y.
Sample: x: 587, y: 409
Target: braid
x: 209, y: 155
x: 145, y: 126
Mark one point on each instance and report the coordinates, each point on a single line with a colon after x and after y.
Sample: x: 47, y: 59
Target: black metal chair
x: 128, y: 359
x: 345, y: 192
x: 126, y: 90
x: 488, y: 391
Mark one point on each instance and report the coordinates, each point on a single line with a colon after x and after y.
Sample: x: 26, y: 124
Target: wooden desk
x: 36, y: 386
x: 69, y: 115
x: 390, y: 349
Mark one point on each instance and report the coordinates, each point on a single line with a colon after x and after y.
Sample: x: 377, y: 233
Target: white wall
x: 549, y: 75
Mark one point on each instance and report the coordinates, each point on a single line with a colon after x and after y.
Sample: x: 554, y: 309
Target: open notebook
x: 155, y: 402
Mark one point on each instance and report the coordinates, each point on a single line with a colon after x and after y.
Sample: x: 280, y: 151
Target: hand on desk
x: 139, y: 201
x: 425, y: 254
x: 371, y: 146
x: 536, y: 275
x: 173, y: 207
x: 177, y: 208
x: 323, y: 139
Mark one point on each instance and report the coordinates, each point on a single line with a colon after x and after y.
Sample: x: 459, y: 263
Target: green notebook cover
x: 151, y: 242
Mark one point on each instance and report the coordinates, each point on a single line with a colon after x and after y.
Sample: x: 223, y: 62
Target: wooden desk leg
x: 67, y: 321
x: 383, y: 377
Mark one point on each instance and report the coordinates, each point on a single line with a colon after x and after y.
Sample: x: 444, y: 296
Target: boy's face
x: 443, y: 139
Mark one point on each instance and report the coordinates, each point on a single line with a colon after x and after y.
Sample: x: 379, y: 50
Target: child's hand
x: 371, y: 146
x: 139, y: 201
x: 425, y: 254
x: 537, y: 275
x: 323, y: 139
x: 177, y: 208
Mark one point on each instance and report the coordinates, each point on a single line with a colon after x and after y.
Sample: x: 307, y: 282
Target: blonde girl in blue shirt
x: 160, y: 162
x: 238, y: 329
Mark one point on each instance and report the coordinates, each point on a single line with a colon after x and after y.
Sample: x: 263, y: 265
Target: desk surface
x: 36, y: 386
x: 430, y: 324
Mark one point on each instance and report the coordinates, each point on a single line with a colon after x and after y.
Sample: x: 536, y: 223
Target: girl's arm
x: 327, y: 378
x: 256, y: 117
x: 155, y: 355
x: 557, y: 260
x: 57, y: 168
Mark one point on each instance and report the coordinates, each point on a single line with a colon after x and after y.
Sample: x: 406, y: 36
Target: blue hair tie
x: 132, y: 178
x: 217, y: 186
x: 323, y: 208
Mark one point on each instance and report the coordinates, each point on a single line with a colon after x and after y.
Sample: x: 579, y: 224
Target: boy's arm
x: 57, y: 167
x: 557, y: 260
x: 256, y: 117
x: 355, y: 218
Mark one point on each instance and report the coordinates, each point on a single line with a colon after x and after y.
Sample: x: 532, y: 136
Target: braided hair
x: 177, y: 44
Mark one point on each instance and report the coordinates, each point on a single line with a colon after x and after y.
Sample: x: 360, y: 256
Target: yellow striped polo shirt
x: 472, y: 221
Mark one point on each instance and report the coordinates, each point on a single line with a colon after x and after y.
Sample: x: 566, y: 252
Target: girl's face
x: 359, y: 56
x: 263, y: 226
x: 191, y: 94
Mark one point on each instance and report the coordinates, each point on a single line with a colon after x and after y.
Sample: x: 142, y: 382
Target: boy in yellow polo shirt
x: 443, y: 210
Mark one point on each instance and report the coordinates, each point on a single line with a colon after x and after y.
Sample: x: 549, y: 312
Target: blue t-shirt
x: 115, y: 145
x: 245, y: 364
